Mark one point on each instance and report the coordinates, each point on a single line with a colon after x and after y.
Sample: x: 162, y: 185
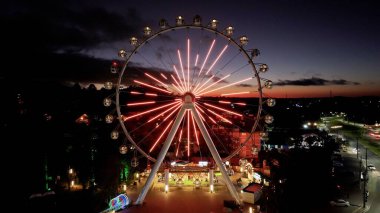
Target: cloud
x: 244, y: 85
x: 313, y: 81
x: 55, y: 40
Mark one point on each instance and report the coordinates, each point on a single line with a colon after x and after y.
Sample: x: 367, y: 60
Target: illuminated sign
x: 202, y: 163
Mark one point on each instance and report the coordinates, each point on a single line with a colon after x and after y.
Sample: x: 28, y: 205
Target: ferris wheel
x: 189, y: 90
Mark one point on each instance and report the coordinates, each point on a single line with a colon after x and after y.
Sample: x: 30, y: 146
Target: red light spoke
x: 217, y: 59
x: 224, y: 102
x: 155, y: 79
x: 166, y: 129
x: 195, y: 130
x: 183, y: 72
x: 219, y: 116
x: 222, y: 109
x: 148, y: 111
x: 172, y: 112
x: 136, y: 93
x: 179, y: 88
x: 234, y: 93
x: 196, y: 60
x: 229, y: 85
x: 163, y: 113
x: 196, y: 109
x: 197, y: 88
x: 212, y: 120
x: 150, y: 94
x: 183, y: 87
x: 147, y: 85
x: 188, y: 64
x: 213, y: 83
x: 141, y: 103
x: 164, y: 76
x: 188, y: 133
x: 208, y: 54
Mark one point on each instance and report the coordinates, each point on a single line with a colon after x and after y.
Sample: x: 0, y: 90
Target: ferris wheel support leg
x: 161, y: 155
x: 215, y: 155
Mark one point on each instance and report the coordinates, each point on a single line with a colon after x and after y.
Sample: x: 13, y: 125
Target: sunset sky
x: 313, y: 48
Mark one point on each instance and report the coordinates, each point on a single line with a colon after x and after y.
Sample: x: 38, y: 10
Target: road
x: 373, y: 186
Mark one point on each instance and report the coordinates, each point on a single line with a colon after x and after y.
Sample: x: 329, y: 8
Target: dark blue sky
x: 312, y: 47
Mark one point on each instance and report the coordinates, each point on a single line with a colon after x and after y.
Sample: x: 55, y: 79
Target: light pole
x: 365, y: 181
x: 357, y: 148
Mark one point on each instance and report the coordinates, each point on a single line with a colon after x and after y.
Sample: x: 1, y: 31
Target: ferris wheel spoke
x: 222, y: 87
x: 177, y: 106
x: 153, y: 87
x: 196, y: 91
x: 161, y: 114
x: 149, y: 111
x: 178, y: 87
x: 194, y: 129
x: 183, y: 86
x: 155, y: 79
x: 188, y: 65
x: 215, y: 136
x: 159, y: 138
x: 223, y: 109
x: 182, y: 70
x: 207, y: 56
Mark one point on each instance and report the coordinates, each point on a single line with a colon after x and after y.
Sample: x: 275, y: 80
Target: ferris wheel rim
x: 181, y: 27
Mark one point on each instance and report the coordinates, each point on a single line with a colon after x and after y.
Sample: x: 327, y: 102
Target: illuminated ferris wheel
x: 187, y: 90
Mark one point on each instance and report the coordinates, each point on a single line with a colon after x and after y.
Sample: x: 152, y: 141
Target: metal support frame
x: 188, y: 105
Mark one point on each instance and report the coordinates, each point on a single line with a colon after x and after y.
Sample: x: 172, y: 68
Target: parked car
x: 371, y: 167
x: 340, y: 202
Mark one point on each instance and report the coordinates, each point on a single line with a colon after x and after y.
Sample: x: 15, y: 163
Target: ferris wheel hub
x: 188, y: 97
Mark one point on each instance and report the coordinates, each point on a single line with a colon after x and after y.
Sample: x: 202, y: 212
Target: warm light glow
x: 211, y: 188
x: 166, y: 188
x: 124, y: 187
x: 234, y: 93
x: 70, y: 171
x: 147, y: 85
x: 159, y: 138
x: 72, y: 183
x: 141, y: 103
x: 222, y: 109
x: 208, y: 54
